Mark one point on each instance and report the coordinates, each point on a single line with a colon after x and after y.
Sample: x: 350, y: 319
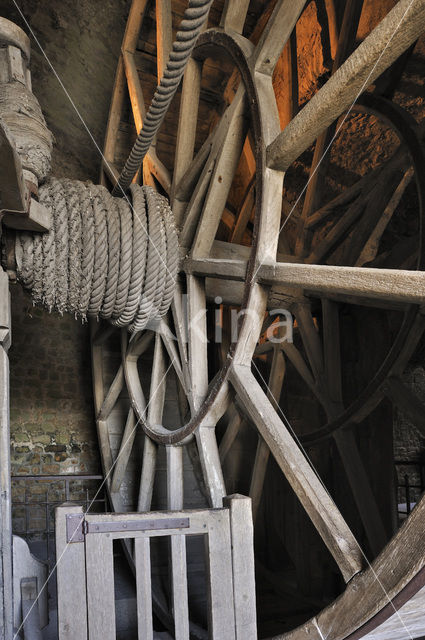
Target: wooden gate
x: 85, y: 571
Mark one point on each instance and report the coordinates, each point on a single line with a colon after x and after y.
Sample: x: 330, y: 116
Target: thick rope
x: 191, y: 26
x: 103, y: 257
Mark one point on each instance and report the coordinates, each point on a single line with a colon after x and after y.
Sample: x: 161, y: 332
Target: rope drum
x: 103, y: 257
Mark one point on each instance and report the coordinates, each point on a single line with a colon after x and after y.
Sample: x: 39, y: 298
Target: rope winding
x: 103, y: 257
x: 191, y: 26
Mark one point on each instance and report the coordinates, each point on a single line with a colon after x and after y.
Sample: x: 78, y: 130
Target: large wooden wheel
x: 162, y: 393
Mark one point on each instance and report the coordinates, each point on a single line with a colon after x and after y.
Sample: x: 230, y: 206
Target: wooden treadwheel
x: 164, y: 392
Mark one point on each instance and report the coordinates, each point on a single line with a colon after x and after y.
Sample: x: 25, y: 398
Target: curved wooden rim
x: 208, y: 43
x: 405, y: 126
x: 375, y: 594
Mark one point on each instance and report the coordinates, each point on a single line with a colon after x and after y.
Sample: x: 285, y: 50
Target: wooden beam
x: 164, y: 35
x: 234, y: 15
x: 394, y: 34
x: 304, y: 481
x: 382, y: 284
x: 276, y: 34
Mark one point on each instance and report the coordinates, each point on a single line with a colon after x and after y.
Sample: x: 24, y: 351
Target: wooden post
x: 71, y: 579
x: 6, y: 587
x: 242, y: 534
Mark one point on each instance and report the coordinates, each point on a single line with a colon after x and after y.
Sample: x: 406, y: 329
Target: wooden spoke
x: 234, y: 14
x: 233, y: 427
x: 367, y: 62
x: 121, y: 462
x: 147, y: 476
x: 186, y: 132
x: 164, y: 34
x: 370, y: 249
x: 274, y: 390
x: 169, y: 343
x: 112, y: 396
x: 353, y: 9
x: 276, y: 34
x: 311, y: 493
x: 290, y: 72
x: 311, y: 341
x: 244, y: 214
x: 198, y: 358
x: 222, y: 175
x: 383, y: 284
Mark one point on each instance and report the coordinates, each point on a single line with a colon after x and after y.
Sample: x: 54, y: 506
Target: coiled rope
x: 102, y: 257
x: 191, y: 26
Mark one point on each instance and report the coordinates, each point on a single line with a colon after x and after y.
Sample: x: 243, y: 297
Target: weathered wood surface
x: 389, y: 285
x: 396, y: 575
x: 310, y: 491
x: 71, y: 562
x: 229, y: 544
x: 393, y: 35
x: 6, y: 586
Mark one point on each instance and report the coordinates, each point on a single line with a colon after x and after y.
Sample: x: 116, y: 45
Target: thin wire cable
x: 297, y: 440
x: 124, y: 194
x: 91, y: 503
x: 338, y: 129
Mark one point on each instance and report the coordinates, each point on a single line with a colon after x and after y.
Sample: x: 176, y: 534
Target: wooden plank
x: 290, y: 75
x: 307, y: 486
x: 222, y: 175
x: 121, y: 461
x: 219, y: 566
x: 210, y: 463
x: 147, y: 476
x: 115, y: 111
x: 70, y: 560
x: 164, y: 35
x: 244, y: 214
x: 394, y: 34
x: 242, y: 536
x: 276, y: 34
x: 382, y: 284
x: 274, y: 390
x: 188, y: 118
x: 142, y: 562
x: 370, y: 249
x: 198, y: 357
x: 179, y: 587
x: 230, y: 434
x: 174, y: 477
x: 112, y: 395
x: 134, y: 90
x: 134, y: 23
x: 234, y: 15
x: 100, y: 587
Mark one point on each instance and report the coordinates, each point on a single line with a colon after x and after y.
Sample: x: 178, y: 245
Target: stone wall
x: 51, y: 407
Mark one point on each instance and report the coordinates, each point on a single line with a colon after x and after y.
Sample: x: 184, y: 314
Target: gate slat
x: 100, y: 587
x: 219, y: 563
x: 179, y: 584
x: 142, y: 558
